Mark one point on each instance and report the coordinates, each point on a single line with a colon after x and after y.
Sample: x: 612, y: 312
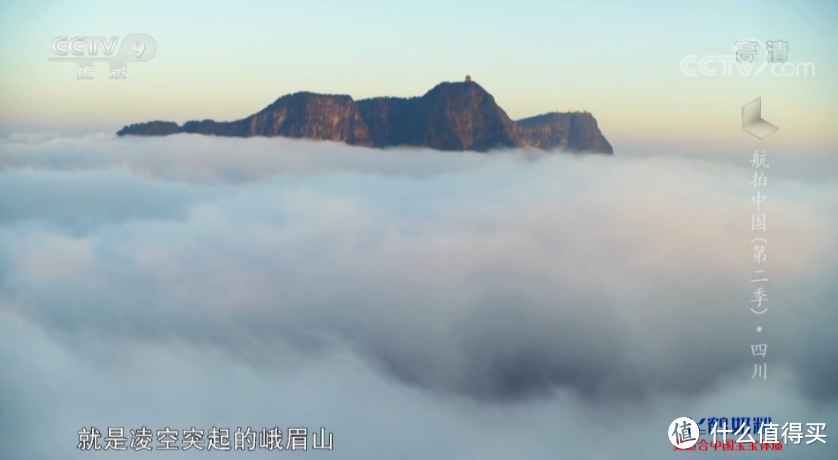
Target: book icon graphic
x: 752, y: 121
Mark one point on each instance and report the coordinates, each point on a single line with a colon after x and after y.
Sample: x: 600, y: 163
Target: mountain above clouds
x: 456, y: 116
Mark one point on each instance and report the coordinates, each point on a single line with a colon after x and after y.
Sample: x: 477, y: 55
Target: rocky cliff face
x: 300, y: 115
x: 451, y: 116
x: 571, y: 131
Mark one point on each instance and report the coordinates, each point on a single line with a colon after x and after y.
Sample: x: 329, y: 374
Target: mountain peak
x: 468, y: 85
x: 459, y: 116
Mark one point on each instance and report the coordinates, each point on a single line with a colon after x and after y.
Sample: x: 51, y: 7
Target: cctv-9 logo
x: 137, y: 48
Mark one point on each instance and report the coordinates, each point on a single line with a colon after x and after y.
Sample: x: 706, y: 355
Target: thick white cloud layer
x: 417, y: 304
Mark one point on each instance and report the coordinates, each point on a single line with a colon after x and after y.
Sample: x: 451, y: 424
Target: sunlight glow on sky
x: 619, y: 60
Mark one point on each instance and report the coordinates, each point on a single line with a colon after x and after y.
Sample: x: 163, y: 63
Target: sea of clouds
x: 417, y: 304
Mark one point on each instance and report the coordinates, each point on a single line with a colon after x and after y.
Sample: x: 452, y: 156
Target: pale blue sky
x: 617, y: 59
